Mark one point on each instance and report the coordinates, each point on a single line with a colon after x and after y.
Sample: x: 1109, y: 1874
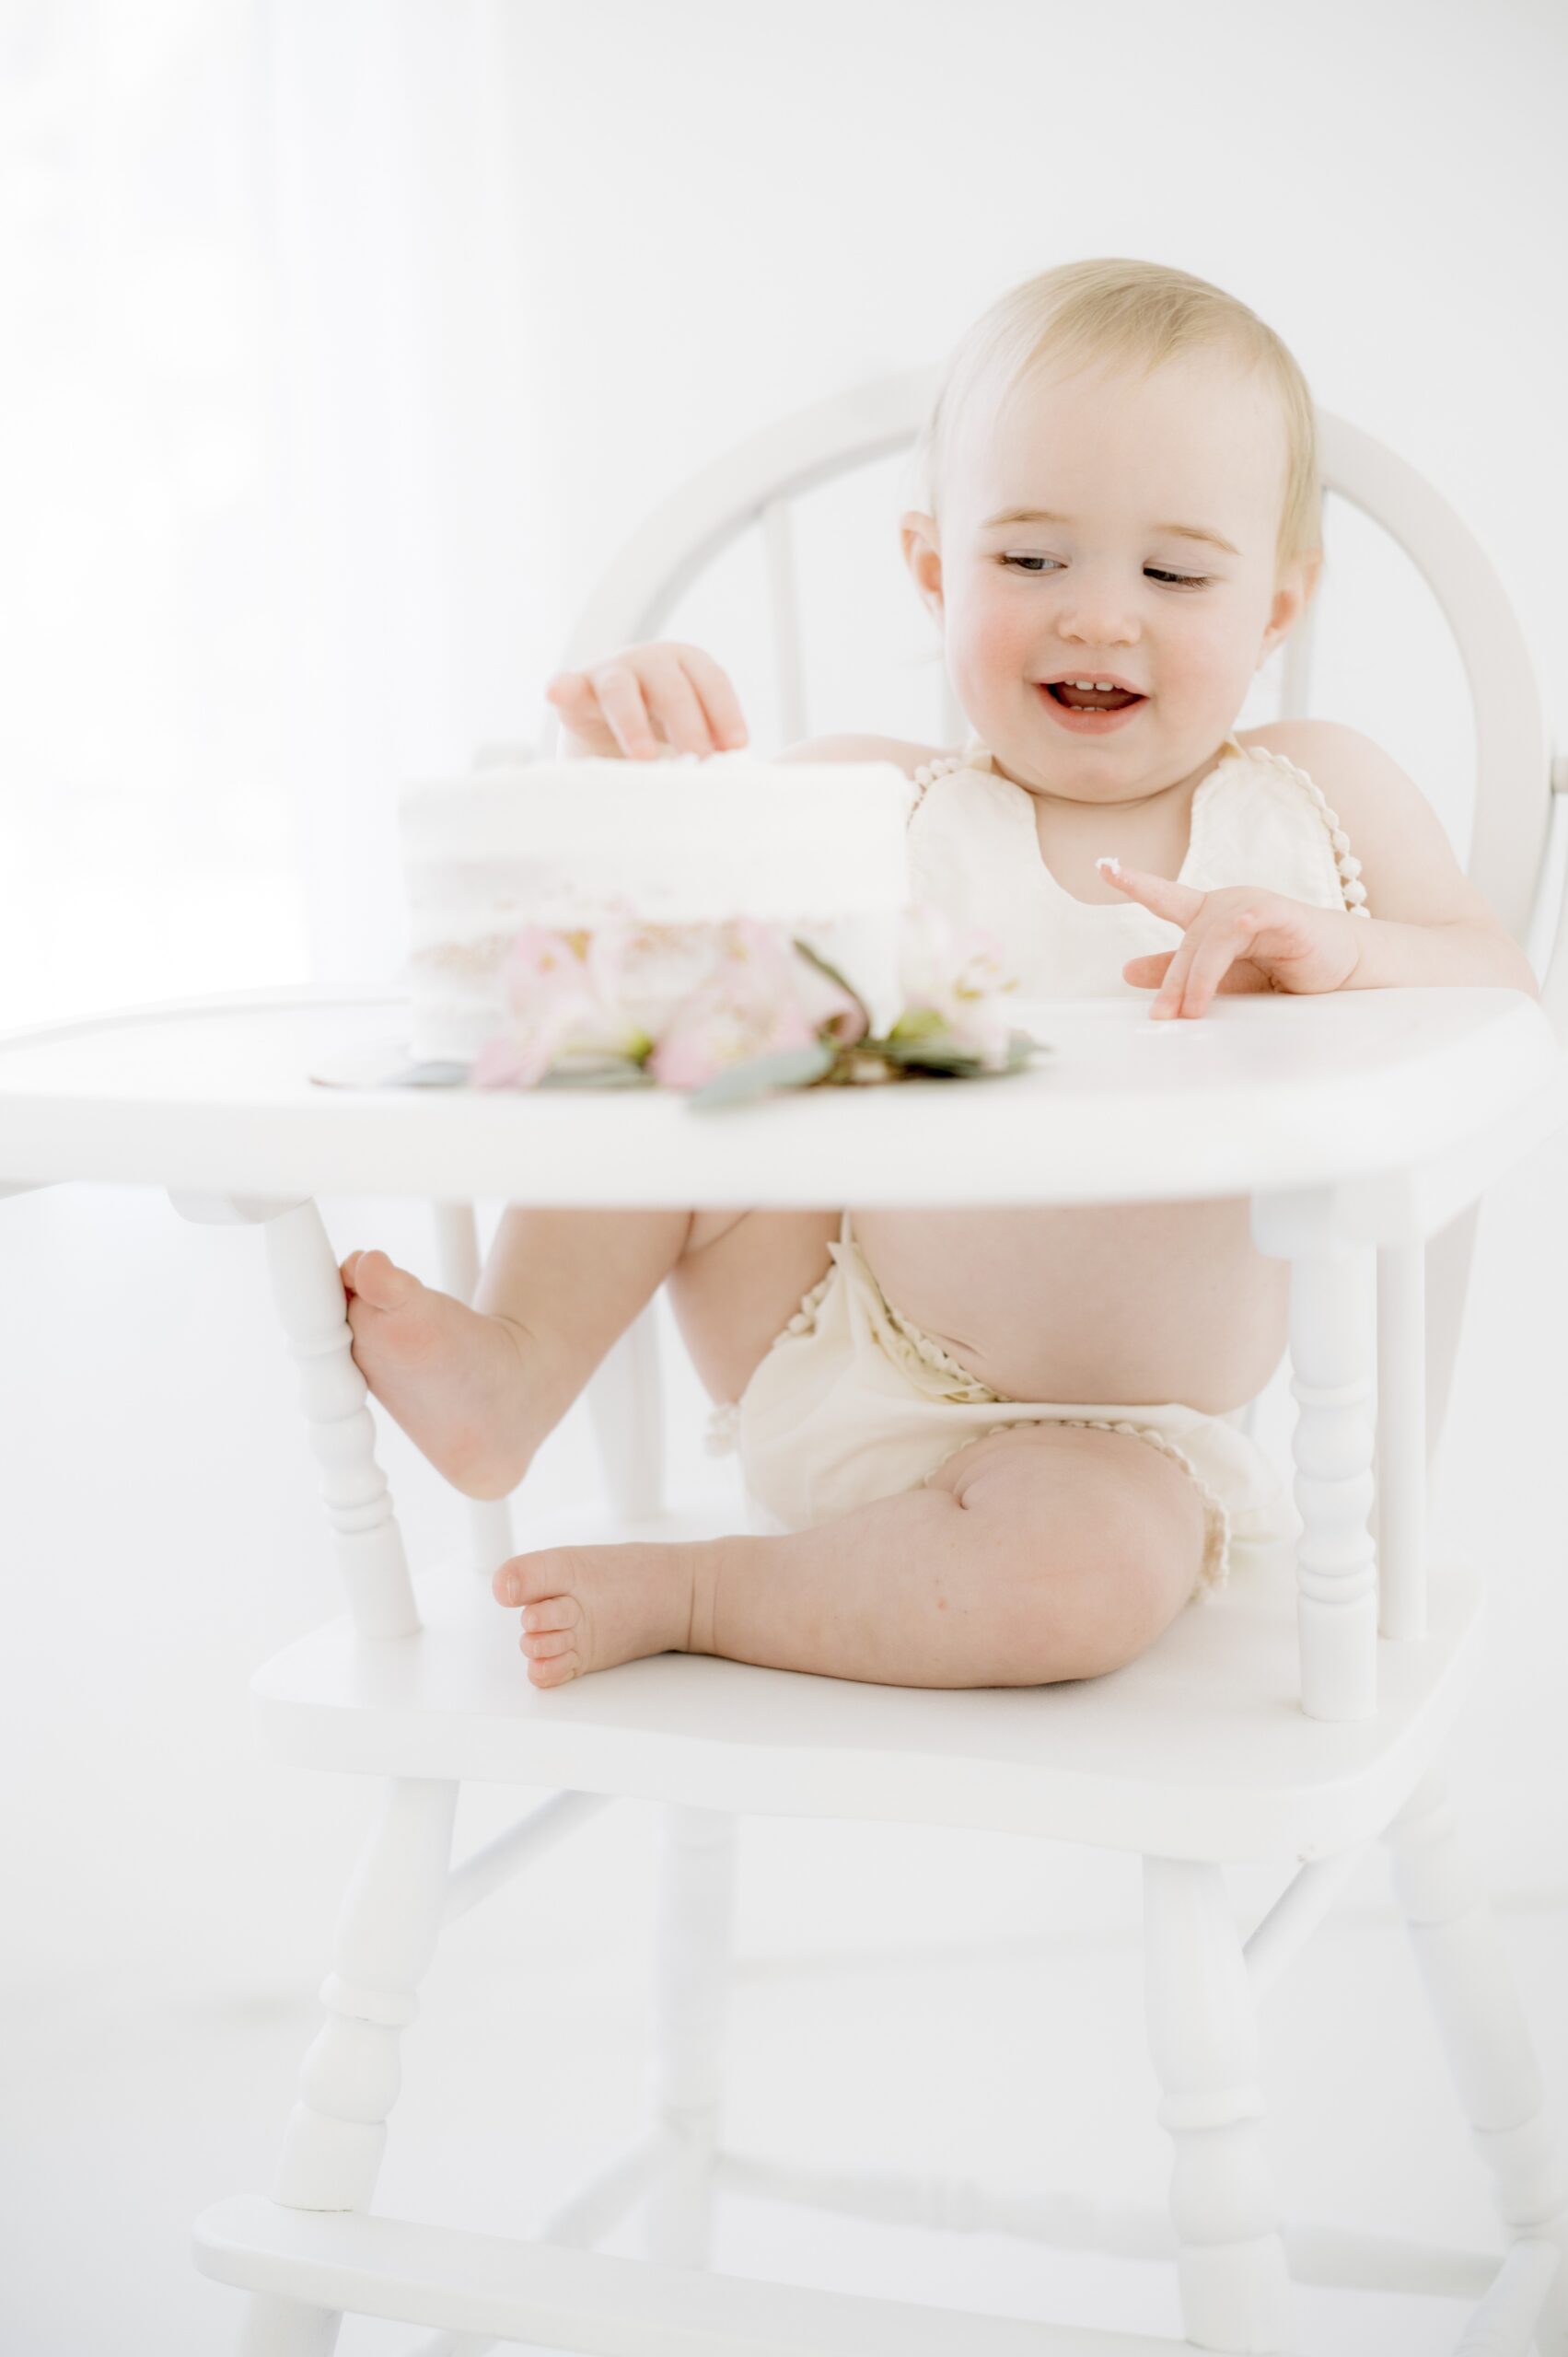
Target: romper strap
x: 928, y: 772
x: 1351, y: 885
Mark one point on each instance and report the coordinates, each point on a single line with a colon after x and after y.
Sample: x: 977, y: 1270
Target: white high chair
x: 409, y: 1691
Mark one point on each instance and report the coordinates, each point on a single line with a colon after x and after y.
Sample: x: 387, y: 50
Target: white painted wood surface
x: 1203, y: 2041
x: 580, y: 2300
x: 1387, y: 1091
x: 1333, y: 1442
x: 1464, y: 1966
x: 1197, y: 1749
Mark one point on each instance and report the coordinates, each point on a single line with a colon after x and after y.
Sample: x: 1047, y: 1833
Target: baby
x: 1025, y: 1468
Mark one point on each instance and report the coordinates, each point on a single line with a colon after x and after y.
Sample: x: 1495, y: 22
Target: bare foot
x: 589, y: 1607
x: 456, y: 1381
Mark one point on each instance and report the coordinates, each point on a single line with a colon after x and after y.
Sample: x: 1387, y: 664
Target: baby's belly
x: 1124, y: 1303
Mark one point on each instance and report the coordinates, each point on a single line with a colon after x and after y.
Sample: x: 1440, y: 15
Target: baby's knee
x: 1099, y: 1541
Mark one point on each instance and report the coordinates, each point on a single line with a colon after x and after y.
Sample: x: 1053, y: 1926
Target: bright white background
x: 345, y: 344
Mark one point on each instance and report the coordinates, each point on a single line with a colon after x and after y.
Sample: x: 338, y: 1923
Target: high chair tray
x: 215, y: 1097
x: 1198, y: 1749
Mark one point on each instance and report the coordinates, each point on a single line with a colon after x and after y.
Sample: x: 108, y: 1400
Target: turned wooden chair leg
x: 1466, y: 1971
x: 1231, y: 2268
x: 691, y: 1965
x: 387, y: 1933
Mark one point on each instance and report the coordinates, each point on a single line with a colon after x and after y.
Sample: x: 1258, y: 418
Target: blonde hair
x: 1127, y: 314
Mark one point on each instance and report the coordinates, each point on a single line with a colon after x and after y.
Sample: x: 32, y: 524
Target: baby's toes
x: 557, y: 1668
x: 550, y: 1632
x: 536, y: 1580
x: 380, y: 1281
x: 552, y: 1613
x: 548, y: 1644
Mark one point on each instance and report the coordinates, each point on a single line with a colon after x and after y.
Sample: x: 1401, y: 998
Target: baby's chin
x: 1149, y: 745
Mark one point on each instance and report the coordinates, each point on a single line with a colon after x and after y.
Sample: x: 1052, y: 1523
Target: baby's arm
x: 1427, y: 922
x: 1422, y: 921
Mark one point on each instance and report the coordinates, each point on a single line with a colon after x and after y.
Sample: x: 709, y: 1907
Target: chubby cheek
x: 1195, y: 681
x: 990, y: 646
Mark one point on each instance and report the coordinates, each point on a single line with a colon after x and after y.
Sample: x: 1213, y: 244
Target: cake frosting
x: 816, y: 847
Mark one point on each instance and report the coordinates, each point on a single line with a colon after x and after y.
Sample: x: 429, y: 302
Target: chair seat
x: 1197, y: 1749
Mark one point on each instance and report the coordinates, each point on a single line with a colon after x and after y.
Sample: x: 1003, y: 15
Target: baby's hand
x: 1237, y: 939
x: 645, y: 698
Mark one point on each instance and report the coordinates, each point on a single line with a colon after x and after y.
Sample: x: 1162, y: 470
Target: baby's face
x: 1099, y: 584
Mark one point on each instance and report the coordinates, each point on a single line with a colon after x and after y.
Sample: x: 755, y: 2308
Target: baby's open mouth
x: 1090, y: 699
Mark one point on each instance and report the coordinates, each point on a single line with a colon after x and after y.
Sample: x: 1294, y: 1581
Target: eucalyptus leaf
x: 949, y: 1062
x: 813, y: 957
x: 604, y: 1072
x: 434, y: 1075
x: 918, y: 1023
x: 930, y: 1054
x: 789, y: 1068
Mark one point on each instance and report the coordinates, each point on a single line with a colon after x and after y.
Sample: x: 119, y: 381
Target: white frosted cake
x: 817, y: 847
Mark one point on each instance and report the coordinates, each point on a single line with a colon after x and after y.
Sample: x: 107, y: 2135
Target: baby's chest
x: 1068, y: 853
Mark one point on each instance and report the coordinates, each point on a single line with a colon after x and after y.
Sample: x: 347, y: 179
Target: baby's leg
x: 477, y: 1389
x: 1041, y: 1554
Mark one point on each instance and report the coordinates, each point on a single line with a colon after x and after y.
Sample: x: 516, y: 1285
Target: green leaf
x: 598, y: 1071
x: 832, y: 973
x: 938, y: 1057
x: 918, y: 1023
x: 789, y: 1068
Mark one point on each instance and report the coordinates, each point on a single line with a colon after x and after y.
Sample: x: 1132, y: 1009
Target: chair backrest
x: 1518, y: 818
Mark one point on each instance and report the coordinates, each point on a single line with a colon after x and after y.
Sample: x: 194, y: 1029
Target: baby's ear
x: 1292, y: 594
x: 922, y: 554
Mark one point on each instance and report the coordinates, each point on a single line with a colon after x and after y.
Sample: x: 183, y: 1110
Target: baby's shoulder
x: 1403, y: 850
x: 909, y: 756
x: 1333, y: 754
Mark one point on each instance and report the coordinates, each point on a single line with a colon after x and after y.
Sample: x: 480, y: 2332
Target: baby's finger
x: 619, y: 695
x: 1168, y: 998
x: 719, y: 700
x: 675, y: 706
x: 1216, y: 953
x: 1144, y: 973
x: 1180, y: 902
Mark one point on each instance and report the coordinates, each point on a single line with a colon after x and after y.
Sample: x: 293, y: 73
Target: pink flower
x: 752, y: 1006
x: 544, y: 974
x: 951, y: 984
x: 506, y: 1063
x: 699, y: 997
x: 644, y: 972
x: 558, y: 1005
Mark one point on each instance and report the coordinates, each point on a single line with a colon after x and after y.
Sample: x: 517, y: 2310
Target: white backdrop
x: 351, y: 337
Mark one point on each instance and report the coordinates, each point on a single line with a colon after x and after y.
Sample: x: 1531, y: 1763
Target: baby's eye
x: 1036, y: 564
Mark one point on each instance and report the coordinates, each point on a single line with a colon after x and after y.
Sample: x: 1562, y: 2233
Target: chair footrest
x: 443, y: 2278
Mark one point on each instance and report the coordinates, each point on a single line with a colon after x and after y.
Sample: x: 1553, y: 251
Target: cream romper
x: 852, y: 1401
